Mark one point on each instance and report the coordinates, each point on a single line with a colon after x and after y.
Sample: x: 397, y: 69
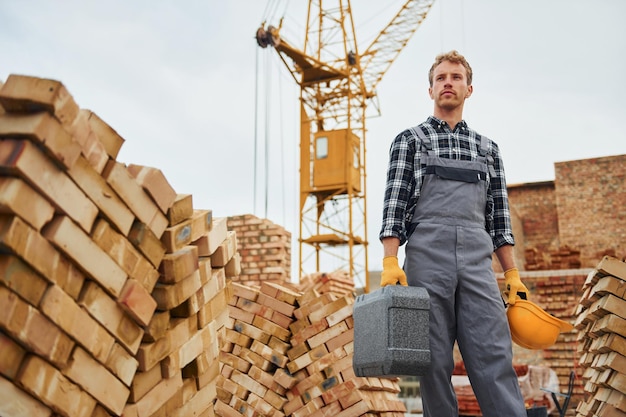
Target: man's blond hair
x: 455, y: 58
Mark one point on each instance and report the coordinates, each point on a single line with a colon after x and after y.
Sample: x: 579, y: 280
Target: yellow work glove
x: 513, y: 286
x: 392, y: 273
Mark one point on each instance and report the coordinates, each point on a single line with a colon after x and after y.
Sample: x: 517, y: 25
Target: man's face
x: 449, y: 89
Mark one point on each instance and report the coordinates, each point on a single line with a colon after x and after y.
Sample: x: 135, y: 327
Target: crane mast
x: 337, y: 84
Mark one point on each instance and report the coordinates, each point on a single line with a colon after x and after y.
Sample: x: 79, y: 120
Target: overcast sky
x: 179, y: 80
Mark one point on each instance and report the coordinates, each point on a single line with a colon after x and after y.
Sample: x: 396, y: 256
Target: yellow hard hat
x: 532, y: 327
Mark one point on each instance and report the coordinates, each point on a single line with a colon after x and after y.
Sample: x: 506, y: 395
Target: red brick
x: 137, y: 301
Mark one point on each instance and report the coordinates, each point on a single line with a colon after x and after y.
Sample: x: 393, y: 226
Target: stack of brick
x: 290, y: 353
x: 556, y: 295
x: 338, y: 282
x: 73, y: 310
x: 254, y: 351
x: 264, y: 248
x: 179, y: 356
x: 602, y: 340
x: 565, y: 258
x: 321, y: 362
x: 111, y: 284
x: 536, y: 260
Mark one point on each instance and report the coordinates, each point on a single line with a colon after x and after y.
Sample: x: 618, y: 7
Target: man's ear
x: 470, y: 90
x: 430, y: 92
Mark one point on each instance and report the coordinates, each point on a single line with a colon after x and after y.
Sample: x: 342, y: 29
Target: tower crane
x: 337, y: 91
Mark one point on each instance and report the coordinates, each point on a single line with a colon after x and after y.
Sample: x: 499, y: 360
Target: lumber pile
x: 601, y: 323
x: 111, y: 284
x: 264, y: 250
x: 290, y: 353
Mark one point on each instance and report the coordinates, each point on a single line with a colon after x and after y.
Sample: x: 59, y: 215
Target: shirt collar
x: 438, y: 124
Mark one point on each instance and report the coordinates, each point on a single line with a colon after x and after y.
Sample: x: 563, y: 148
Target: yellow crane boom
x: 337, y: 83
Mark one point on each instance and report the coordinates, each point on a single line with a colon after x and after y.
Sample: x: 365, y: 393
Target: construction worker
x: 446, y: 198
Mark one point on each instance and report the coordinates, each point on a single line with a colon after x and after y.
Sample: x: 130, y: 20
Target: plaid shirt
x: 405, y: 174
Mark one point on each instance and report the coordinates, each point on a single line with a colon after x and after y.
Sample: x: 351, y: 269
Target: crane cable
x: 270, y: 12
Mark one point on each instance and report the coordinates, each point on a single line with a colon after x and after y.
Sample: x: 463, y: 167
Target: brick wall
x: 534, y: 205
x: 591, y: 206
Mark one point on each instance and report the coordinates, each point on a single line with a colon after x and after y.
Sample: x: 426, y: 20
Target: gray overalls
x: 450, y: 253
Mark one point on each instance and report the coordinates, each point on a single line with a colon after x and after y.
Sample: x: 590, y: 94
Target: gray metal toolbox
x: 391, y: 332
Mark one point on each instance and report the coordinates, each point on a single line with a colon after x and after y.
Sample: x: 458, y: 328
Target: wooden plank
x: 22, y: 158
x: 27, y: 94
x: 78, y: 246
x: 46, y: 132
x: 16, y: 196
x: 612, y: 266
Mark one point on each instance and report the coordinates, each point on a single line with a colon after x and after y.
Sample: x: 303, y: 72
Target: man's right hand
x: 392, y: 273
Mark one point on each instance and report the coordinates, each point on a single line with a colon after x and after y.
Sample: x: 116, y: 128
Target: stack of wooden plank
x: 602, y: 340
x: 289, y: 353
x: 264, y: 248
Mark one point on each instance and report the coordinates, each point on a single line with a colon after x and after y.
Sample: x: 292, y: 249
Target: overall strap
x: 484, y: 147
x: 417, y: 131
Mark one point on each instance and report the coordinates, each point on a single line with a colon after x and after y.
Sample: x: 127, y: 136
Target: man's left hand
x: 513, y: 286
